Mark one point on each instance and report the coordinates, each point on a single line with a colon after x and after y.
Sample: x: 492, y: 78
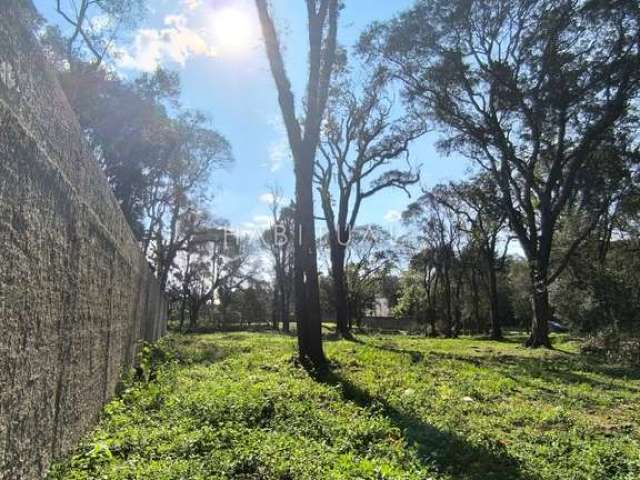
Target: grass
x: 237, y: 406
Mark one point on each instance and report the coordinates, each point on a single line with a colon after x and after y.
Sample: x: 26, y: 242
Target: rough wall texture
x: 76, y: 295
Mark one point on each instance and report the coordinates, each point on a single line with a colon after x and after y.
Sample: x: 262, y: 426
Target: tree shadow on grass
x: 569, y: 370
x: 511, y: 339
x: 196, y: 349
x: 440, y: 450
x: 414, y: 355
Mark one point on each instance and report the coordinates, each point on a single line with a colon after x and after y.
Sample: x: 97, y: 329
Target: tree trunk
x: 275, y: 308
x: 304, y: 143
x: 307, y: 293
x: 340, y: 290
x: 432, y: 321
x: 539, y: 336
x: 458, y: 306
x: 448, y: 310
x: 285, y: 310
x: 194, y: 316
x: 496, y: 329
x: 282, y: 305
x: 183, y: 311
x: 359, y: 314
x: 433, y: 307
x: 476, y: 301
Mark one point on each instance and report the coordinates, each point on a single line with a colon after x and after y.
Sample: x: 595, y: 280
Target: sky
x: 216, y: 47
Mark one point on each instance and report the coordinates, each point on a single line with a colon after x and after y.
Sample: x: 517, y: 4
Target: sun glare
x: 233, y: 30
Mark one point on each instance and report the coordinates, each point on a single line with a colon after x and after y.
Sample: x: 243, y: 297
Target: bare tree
x: 303, y: 141
x: 361, y: 139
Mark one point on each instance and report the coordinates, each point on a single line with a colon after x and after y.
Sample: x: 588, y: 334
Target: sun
x: 233, y: 29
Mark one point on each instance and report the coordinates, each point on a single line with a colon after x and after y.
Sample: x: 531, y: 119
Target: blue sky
x: 216, y: 47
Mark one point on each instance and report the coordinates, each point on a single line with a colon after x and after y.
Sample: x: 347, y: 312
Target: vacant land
x: 391, y: 407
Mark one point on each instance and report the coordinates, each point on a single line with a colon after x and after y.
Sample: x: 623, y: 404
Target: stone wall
x: 76, y: 294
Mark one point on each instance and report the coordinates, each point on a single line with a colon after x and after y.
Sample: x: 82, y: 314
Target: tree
x: 597, y: 293
x: 303, y: 141
x: 440, y: 237
x: 481, y: 218
x: 277, y: 240
x: 419, y: 283
x: 224, y: 263
x: 178, y: 189
x: 528, y: 89
x: 158, y: 165
x: 251, y: 302
x: 413, y: 298
x: 360, y: 141
x: 97, y: 23
x: 370, y: 258
x: 128, y: 128
x: 190, y: 282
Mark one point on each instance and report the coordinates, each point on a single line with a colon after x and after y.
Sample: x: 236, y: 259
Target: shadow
x: 569, y: 367
x: 569, y: 370
x: 414, y: 355
x: 508, y: 340
x: 197, y: 349
x: 442, y: 451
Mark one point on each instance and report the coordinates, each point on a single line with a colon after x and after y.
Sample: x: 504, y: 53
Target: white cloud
x: 199, y: 29
x: 279, y: 150
x: 393, y: 216
x: 176, y: 43
x: 267, y: 198
x: 192, y: 4
x: 279, y: 154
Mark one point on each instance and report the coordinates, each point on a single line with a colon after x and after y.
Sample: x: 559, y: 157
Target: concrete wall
x: 76, y: 294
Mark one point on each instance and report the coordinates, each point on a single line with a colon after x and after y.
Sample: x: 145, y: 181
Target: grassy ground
x: 392, y: 407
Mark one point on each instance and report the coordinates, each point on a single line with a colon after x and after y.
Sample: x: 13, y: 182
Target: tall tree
x: 158, y: 165
x: 303, y: 141
x: 179, y: 188
x: 440, y: 237
x: 277, y: 240
x: 528, y: 89
x: 360, y: 141
x: 128, y: 127
x: 482, y: 219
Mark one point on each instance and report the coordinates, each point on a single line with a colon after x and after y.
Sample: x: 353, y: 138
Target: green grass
x: 237, y: 406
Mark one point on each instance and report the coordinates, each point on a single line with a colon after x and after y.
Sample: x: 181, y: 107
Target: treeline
x: 463, y: 277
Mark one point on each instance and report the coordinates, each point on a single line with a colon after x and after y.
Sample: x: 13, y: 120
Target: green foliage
x: 235, y: 406
x: 412, y: 298
x: 153, y: 356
